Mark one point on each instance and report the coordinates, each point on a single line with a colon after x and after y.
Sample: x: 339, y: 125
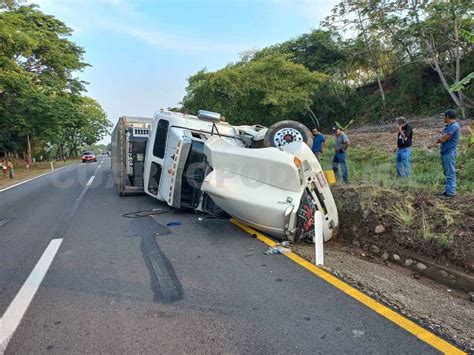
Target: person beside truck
x: 404, y: 142
x: 449, y: 140
x: 319, y: 142
x: 342, y: 143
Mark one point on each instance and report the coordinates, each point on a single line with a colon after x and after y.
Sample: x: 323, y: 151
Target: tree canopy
x: 262, y: 90
x: 41, y: 101
x: 372, y: 59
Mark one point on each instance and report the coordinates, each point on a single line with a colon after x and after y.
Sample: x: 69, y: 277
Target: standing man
x: 449, y: 140
x: 404, y: 140
x: 10, y: 169
x: 342, y: 143
x: 319, y: 141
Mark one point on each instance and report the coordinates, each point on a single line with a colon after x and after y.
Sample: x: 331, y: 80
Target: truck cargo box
x: 129, y: 140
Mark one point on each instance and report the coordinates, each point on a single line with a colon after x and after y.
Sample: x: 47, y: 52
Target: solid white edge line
x: 36, y: 177
x: 17, y: 308
x: 90, y: 180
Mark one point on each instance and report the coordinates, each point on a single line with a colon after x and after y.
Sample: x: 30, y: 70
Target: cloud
x: 168, y: 41
x: 122, y: 17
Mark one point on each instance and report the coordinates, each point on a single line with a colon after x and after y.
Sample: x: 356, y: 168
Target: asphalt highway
x: 134, y: 285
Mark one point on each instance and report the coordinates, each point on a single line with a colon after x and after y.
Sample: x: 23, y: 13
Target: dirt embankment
x: 408, y: 221
x: 425, y: 133
x: 415, y: 224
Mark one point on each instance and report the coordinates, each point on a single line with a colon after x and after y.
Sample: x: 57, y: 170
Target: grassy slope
x: 374, y: 165
x: 21, y: 173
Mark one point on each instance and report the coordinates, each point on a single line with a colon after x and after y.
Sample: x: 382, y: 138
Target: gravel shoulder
x: 447, y: 312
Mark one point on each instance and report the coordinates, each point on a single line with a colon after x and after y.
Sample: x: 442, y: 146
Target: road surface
x: 133, y: 285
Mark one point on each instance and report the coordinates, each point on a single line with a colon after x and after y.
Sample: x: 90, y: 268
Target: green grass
x: 403, y: 213
x: 374, y: 166
x: 21, y: 173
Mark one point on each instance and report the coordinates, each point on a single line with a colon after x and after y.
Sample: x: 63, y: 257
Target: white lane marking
x: 36, y: 177
x: 17, y: 309
x: 90, y: 180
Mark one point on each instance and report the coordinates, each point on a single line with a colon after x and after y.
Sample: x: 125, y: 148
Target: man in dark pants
x: 449, y: 140
x: 319, y: 142
x: 342, y: 143
x: 404, y: 140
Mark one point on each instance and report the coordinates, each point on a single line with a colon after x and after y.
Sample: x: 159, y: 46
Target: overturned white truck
x: 266, y: 177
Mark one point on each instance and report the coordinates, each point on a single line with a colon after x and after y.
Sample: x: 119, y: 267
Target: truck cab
x: 273, y: 184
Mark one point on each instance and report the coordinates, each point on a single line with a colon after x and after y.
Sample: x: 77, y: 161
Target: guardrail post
x: 318, y: 239
x: 52, y: 166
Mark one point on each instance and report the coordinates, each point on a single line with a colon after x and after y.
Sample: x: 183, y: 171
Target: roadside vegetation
x: 402, y: 59
x: 372, y: 165
x: 22, y: 173
x: 44, y: 113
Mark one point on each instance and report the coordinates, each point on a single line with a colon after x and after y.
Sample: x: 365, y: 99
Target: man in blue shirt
x: 319, y: 141
x: 449, y: 140
x: 342, y: 143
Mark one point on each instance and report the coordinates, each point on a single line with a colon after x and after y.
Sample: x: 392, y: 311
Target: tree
x: 40, y: 99
x: 462, y: 84
x: 265, y: 91
x: 85, y: 125
x: 352, y: 15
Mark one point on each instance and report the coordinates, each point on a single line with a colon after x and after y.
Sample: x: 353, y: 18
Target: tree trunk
x: 374, y: 58
x: 448, y: 88
x: 435, y: 63
x: 437, y: 68
x: 313, y: 117
x: 338, y: 96
x: 379, y: 82
x: 458, y: 63
x: 28, y: 149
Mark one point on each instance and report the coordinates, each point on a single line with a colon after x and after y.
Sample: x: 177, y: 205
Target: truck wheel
x: 286, y: 132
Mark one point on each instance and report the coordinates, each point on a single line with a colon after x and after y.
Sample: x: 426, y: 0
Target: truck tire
x: 286, y: 132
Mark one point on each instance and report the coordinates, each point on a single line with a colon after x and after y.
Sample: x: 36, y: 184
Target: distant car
x: 88, y: 156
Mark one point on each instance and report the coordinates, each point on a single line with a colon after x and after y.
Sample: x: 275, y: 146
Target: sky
x: 141, y: 52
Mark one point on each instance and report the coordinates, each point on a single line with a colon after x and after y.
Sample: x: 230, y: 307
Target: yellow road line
x: 411, y: 327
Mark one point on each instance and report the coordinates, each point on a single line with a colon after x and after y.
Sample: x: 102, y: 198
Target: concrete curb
x: 452, y: 278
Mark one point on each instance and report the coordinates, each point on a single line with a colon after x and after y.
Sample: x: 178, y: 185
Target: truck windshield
x: 159, y: 145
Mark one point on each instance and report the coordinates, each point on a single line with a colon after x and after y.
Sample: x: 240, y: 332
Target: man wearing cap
x: 342, y: 143
x: 404, y: 140
x: 318, y: 143
x: 449, y: 140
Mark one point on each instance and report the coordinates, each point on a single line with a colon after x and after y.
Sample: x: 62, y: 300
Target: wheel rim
x: 286, y: 136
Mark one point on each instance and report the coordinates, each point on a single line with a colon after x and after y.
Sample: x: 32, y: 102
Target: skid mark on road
x: 164, y: 282
x: 406, y: 324
x: 17, y: 309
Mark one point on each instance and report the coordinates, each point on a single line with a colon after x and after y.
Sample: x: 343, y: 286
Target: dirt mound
x: 425, y: 133
x: 414, y: 223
